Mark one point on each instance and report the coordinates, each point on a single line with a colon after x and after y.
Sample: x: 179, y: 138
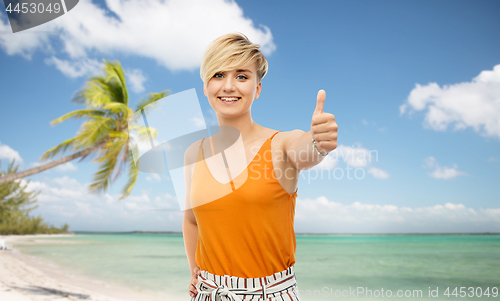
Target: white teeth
x: 229, y: 98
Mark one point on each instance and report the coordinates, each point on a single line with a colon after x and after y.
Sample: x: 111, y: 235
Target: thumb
x: 320, y: 101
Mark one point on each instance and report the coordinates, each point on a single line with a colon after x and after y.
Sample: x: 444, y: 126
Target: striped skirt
x: 281, y: 286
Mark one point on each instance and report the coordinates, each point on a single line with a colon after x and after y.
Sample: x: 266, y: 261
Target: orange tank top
x: 248, y: 232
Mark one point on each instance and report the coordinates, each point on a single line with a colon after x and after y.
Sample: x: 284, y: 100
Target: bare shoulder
x: 191, y: 152
x: 285, y: 137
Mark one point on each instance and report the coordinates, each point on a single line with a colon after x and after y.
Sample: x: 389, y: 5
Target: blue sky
x: 411, y: 81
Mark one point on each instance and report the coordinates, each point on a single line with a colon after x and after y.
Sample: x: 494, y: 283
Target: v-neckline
x: 246, y: 168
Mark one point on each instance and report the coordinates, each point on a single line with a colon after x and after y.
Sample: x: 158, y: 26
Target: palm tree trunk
x: 51, y: 164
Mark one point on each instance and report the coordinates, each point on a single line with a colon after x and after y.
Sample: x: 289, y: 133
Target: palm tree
x: 106, y: 132
x: 14, y: 198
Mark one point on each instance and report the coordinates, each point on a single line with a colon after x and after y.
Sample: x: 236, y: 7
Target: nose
x: 228, y: 84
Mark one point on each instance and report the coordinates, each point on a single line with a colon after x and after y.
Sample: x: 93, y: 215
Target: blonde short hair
x: 229, y: 52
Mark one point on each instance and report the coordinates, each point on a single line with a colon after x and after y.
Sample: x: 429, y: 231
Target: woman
x: 239, y: 235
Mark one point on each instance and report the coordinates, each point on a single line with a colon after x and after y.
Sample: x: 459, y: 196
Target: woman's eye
x: 243, y: 77
x: 218, y: 75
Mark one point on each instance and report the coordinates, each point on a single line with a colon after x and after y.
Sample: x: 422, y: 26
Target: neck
x: 244, y: 124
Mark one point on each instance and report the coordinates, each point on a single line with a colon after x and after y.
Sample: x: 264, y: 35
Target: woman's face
x: 232, y: 93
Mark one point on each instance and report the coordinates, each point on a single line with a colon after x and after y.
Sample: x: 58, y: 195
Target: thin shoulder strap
x: 201, y: 144
x: 211, y: 145
x: 275, y: 134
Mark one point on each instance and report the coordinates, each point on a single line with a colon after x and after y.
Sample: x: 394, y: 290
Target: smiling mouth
x: 229, y: 99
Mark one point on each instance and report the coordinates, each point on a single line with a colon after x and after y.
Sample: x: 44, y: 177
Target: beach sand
x: 25, y: 278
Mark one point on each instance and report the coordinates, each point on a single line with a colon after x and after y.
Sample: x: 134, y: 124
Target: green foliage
x: 23, y: 224
x: 15, y: 202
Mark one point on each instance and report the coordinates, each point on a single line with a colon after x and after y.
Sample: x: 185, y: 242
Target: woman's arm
x: 190, y: 233
x: 189, y: 225
x: 298, y: 145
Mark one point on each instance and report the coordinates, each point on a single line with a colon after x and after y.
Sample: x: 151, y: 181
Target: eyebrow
x: 243, y: 70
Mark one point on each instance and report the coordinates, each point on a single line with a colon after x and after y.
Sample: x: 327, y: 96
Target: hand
x: 323, y: 126
x: 194, y: 281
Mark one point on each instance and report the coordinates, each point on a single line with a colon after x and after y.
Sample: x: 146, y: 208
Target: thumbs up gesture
x: 323, y: 126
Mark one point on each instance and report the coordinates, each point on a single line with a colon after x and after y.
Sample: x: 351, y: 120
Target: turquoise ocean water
x: 328, y: 266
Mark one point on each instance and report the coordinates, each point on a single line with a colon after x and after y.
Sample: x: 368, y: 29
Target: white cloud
x: 62, y: 168
x: 442, y: 172
x: 63, y: 190
x: 328, y: 163
x: 23, y: 43
x: 447, y: 172
x: 140, y: 147
x: 6, y: 152
x: 68, y: 166
x: 357, y: 157
x: 212, y: 119
x: 64, y: 199
x: 34, y: 185
x: 84, y: 208
x: 166, y: 201
x: 354, y: 156
x: 373, y: 123
x: 35, y: 164
x: 136, y: 80
x: 199, y: 122
x: 378, y: 173
x: 174, y: 33
x: 325, y: 216
x: 139, y: 199
x: 366, y: 122
x: 154, y: 177
x: 68, y: 182
x: 474, y: 104
x: 76, y: 68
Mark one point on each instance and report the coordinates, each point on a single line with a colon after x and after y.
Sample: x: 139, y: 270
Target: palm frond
x: 94, y: 94
x: 111, y: 87
x: 116, y: 90
x: 104, y: 88
x: 78, y: 114
x: 119, y: 135
x: 143, y: 132
x: 61, y: 148
x: 133, y: 173
x: 93, y: 131
x: 144, y: 104
x: 103, y: 178
x: 116, y: 108
x: 122, y: 162
x: 114, y: 71
x: 112, y: 149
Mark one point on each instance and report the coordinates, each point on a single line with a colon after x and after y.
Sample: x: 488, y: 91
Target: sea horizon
x: 299, y: 233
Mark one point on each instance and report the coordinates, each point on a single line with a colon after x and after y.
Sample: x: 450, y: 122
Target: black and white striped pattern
x: 281, y: 286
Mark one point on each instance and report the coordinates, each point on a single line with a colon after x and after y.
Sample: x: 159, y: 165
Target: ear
x: 204, y: 90
x: 259, y: 88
